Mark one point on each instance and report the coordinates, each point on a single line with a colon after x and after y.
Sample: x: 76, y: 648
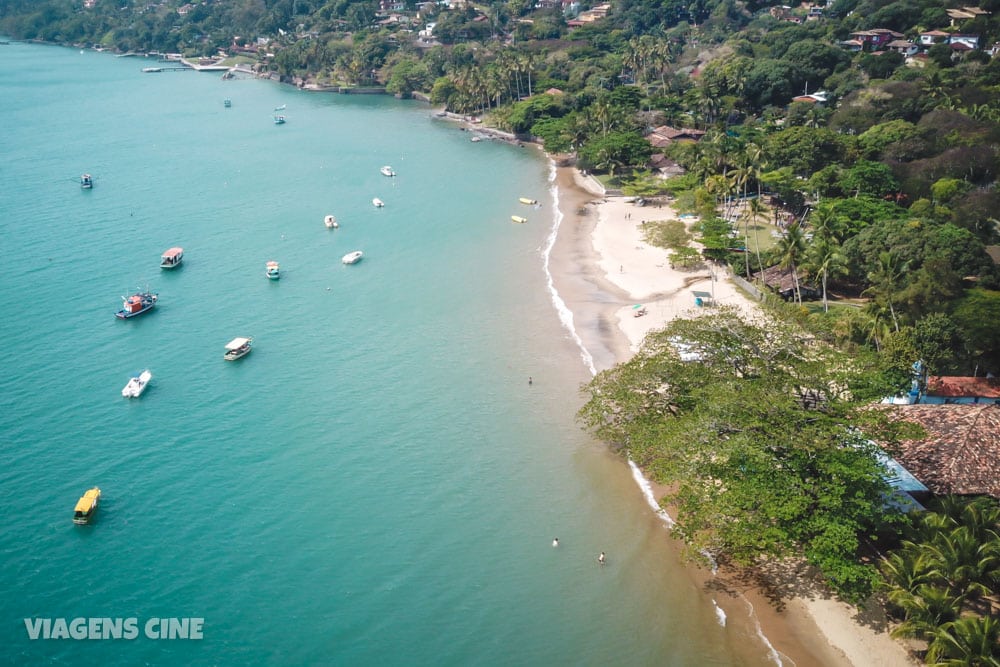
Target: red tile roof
x: 963, y: 387
x: 961, y: 452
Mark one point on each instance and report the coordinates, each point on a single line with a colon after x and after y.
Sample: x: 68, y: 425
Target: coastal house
x: 782, y: 282
x: 951, y: 390
x: 969, y: 42
x: 665, y: 135
x: 960, y: 453
x: 874, y: 40
x: 932, y: 37
x: 664, y: 166
x: 819, y: 97
x: 902, y: 46
x: 965, y: 14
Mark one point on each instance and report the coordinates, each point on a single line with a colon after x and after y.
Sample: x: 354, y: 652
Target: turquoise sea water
x: 376, y: 483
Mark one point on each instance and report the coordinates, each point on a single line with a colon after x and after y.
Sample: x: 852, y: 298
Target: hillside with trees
x: 862, y: 137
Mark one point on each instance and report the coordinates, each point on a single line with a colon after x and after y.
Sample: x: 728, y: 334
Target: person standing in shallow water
x: 600, y: 559
x: 555, y: 541
x: 529, y: 379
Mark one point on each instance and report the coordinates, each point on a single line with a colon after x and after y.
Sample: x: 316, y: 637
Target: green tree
x: 614, y: 151
x: 751, y: 440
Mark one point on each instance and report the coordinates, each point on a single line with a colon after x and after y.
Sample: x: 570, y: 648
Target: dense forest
x: 864, y: 133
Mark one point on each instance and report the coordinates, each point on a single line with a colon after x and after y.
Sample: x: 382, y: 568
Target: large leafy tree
x: 754, y: 440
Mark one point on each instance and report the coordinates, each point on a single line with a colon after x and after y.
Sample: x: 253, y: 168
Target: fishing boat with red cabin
x: 172, y: 258
x: 137, y: 304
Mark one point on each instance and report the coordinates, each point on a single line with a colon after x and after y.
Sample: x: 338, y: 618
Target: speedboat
x: 387, y: 171
x: 86, y: 506
x: 330, y: 222
x: 378, y: 203
x: 272, y: 271
x: 519, y: 219
x: 527, y: 200
x: 279, y: 119
x: 238, y: 348
x: 137, y: 304
x: 137, y: 384
x: 171, y: 258
x: 86, y: 182
x: 352, y: 257
x: 281, y: 108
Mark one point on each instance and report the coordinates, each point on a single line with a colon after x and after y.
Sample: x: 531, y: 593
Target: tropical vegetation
x: 868, y: 174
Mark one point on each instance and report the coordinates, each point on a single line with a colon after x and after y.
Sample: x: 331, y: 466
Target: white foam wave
x: 719, y: 614
x: 647, y: 493
x: 565, y: 314
x: 772, y: 653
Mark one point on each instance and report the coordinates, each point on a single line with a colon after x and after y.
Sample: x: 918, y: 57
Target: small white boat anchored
x: 352, y: 257
x: 518, y: 219
x: 172, y: 258
x: 387, y: 171
x: 273, y: 271
x: 330, y: 222
x: 378, y: 203
x: 137, y: 384
x: 238, y: 348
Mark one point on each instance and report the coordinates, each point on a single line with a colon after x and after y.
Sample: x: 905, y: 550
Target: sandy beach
x: 605, y: 273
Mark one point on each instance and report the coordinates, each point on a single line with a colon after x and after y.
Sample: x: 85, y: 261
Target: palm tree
x: 973, y: 641
x: 926, y: 609
x: 826, y: 224
x: 755, y: 211
x: 885, y: 279
x: 826, y: 258
x: 791, y: 247
x: 969, y: 566
x: 908, y: 569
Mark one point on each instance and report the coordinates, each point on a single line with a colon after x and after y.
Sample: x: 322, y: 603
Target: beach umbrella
x: 637, y: 306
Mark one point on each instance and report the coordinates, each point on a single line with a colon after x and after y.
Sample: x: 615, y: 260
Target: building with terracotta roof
x: 665, y: 135
x: 959, y: 389
x: 782, y: 282
x: 960, y: 453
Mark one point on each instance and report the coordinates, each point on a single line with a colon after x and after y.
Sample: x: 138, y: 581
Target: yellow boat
x: 517, y: 218
x: 87, y: 506
x: 525, y: 200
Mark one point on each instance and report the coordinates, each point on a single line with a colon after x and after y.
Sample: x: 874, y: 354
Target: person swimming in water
x: 600, y: 559
x: 555, y: 541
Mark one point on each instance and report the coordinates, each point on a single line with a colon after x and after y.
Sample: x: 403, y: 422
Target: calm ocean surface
x: 376, y: 483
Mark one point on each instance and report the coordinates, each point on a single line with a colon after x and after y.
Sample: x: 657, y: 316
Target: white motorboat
x: 172, y: 258
x: 272, y: 270
x: 387, y: 171
x: 378, y: 203
x: 137, y: 384
x: 330, y: 222
x: 352, y: 257
x: 238, y: 348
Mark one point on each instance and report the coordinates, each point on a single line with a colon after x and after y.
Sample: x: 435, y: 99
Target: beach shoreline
x: 604, y: 273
